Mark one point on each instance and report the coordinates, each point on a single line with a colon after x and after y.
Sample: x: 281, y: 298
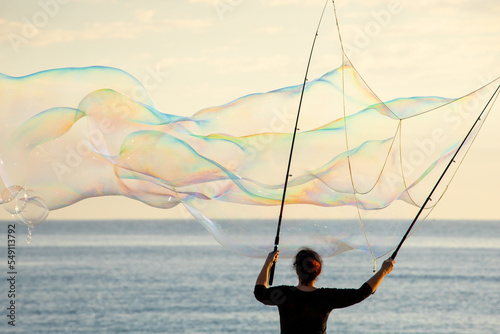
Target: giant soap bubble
x: 363, y: 165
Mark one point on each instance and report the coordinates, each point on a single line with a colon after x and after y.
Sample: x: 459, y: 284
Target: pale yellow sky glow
x: 201, y: 53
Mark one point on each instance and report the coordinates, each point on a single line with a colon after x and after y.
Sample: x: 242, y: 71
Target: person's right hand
x: 273, y: 256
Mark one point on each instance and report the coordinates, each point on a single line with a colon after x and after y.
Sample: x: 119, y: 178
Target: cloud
x: 276, y: 3
x: 144, y: 23
x: 229, y: 64
x: 271, y: 29
x: 144, y: 15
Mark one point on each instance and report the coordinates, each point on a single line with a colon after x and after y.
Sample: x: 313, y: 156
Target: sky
x: 194, y: 54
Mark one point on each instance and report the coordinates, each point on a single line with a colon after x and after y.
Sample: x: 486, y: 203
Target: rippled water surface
x: 172, y: 277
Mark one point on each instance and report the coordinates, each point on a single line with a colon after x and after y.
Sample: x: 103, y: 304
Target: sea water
x: 172, y: 277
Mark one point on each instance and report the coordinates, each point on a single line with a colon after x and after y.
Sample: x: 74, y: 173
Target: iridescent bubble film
x: 363, y: 165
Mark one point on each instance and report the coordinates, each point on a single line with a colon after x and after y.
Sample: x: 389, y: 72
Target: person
x: 304, y: 308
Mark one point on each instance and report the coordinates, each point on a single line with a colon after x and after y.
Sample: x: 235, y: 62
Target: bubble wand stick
x: 277, y: 238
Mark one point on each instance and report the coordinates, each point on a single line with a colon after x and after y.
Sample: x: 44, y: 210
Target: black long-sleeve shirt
x: 307, y: 312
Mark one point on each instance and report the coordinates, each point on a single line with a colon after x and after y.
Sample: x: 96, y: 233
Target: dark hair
x: 308, y: 265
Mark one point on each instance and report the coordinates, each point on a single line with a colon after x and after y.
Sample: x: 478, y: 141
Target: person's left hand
x: 387, y: 266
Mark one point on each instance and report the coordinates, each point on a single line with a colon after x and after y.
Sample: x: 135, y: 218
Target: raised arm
x: 376, y: 279
x: 264, y: 273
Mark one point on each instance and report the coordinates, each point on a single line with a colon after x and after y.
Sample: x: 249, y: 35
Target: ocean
x: 173, y: 277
